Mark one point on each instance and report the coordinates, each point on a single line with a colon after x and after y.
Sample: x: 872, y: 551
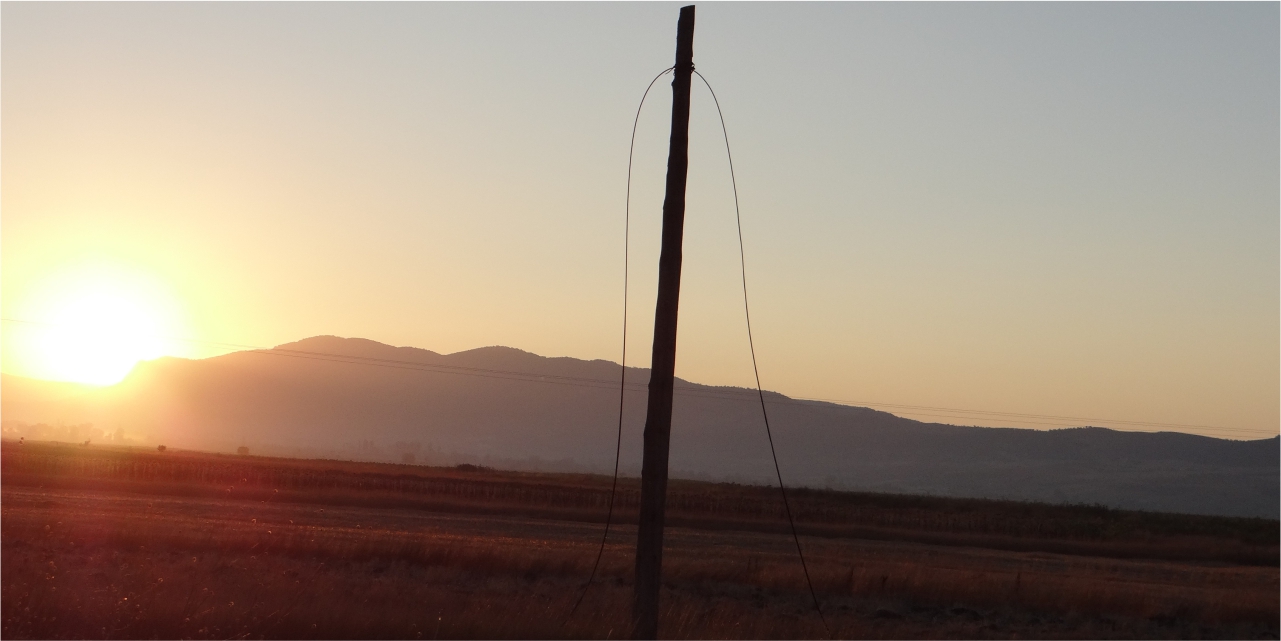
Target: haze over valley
x: 357, y: 399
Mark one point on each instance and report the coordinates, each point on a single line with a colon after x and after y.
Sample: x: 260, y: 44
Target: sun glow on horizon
x: 93, y: 325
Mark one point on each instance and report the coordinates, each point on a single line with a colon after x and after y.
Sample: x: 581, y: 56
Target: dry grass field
x: 103, y: 543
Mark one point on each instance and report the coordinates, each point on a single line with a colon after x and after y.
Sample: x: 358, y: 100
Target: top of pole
x: 685, y: 40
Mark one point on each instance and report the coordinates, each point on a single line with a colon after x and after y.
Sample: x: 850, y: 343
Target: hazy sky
x: 1066, y: 209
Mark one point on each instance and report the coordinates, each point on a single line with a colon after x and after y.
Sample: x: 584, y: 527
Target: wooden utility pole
x: 658, y: 418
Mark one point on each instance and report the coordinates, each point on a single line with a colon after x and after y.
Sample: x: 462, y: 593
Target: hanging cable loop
x: 742, y: 263
x: 622, y: 377
x: 613, y: 491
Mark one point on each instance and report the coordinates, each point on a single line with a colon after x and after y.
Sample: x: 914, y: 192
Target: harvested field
x: 128, y: 544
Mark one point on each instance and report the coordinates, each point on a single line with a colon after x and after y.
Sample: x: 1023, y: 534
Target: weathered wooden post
x: 658, y: 418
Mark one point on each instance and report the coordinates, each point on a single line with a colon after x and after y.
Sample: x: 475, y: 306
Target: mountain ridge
x: 357, y: 398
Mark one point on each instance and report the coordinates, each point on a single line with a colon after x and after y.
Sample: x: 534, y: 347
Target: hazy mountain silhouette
x: 370, y: 400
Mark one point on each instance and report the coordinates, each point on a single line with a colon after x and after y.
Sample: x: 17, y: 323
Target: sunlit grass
x: 101, y: 558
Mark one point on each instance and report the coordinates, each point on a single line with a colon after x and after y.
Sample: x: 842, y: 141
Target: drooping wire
x: 747, y: 312
x: 622, y: 377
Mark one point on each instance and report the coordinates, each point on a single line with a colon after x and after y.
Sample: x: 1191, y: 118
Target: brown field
x: 117, y: 543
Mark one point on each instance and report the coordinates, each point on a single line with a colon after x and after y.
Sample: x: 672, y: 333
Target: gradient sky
x: 1065, y: 209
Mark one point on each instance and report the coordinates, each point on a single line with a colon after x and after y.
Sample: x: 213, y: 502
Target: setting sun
x: 92, y: 325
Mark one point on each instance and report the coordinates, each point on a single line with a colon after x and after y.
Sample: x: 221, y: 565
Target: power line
x: 1035, y: 416
x: 684, y: 388
x: 691, y: 389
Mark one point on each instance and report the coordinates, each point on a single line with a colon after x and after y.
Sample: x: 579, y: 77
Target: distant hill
x: 355, y: 398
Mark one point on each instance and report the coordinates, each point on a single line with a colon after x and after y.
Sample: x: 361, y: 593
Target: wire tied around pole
x: 751, y: 344
x: 742, y: 262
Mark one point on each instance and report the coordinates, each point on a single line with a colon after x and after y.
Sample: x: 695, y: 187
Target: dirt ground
x: 95, y: 564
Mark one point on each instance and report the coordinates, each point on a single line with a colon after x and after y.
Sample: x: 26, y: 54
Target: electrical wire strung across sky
x: 684, y: 388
